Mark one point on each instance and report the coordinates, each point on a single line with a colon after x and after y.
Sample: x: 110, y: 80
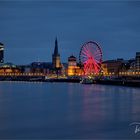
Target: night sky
x: 29, y: 28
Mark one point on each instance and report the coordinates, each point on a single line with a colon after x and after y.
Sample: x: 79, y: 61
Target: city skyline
x: 29, y: 28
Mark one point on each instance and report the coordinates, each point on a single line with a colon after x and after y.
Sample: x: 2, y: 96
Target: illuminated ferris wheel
x: 90, y: 58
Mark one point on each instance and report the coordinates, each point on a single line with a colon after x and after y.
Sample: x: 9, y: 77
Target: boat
x: 86, y: 81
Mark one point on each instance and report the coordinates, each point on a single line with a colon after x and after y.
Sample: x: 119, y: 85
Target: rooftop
x: 7, y: 65
x: 72, y: 56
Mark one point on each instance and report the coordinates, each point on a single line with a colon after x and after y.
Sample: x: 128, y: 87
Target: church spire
x: 56, y: 56
x: 56, y: 48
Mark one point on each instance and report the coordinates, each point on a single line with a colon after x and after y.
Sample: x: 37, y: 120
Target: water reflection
x: 107, y: 106
x: 62, y: 110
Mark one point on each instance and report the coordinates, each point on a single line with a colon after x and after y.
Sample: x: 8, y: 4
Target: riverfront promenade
x: 42, y: 78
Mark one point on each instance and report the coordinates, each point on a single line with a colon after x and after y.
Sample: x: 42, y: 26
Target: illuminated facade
x: 9, y: 68
x: 73, y: 69
x: 56, y: 57
x: 120, y: 67
x: 1, y: 53
x: 112, y: 67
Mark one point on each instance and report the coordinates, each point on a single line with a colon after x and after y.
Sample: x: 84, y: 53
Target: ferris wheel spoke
x: 97, y: 53
x: 86, y: 48
x: 85, y: 52
x: 90, y: 49
x: 84, y: 60
x: 84, y: 55
x: 98, y: 56
x: 97, y: 61
x: 97, y: 65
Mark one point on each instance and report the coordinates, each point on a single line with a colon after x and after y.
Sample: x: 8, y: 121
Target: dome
x: 72, y: 58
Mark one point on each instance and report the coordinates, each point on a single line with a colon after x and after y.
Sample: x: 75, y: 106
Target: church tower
x: 56, y: 57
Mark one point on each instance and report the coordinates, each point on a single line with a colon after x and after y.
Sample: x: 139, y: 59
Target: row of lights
x: 42, y: 74
x: 129, y: 73
x: 108, y: 74
x: 29, y: 74
x: 122, y: 73
x: 22, y: 74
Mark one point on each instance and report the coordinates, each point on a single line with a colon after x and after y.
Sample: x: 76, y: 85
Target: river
x: 68, y: 110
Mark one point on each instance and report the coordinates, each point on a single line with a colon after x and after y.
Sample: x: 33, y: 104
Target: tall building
x: 56, y: 57
x: 73, y: 69
x: 1, y: 52
x: 137, y: 64
x: 72, y: 61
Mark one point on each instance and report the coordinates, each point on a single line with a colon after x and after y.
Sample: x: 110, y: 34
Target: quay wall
x: 119, y: 82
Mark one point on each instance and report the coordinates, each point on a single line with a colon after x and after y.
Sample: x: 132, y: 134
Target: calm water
x: 66, y: 110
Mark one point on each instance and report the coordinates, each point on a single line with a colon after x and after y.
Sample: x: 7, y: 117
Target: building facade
x: 120, y: 67
x: 1, y: 53
x: 41, y: 67
x: 112, y: 67
x: 6, y: 68
x: 73, y: 69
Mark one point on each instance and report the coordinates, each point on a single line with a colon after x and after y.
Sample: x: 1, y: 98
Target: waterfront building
x: 127, y: 65
x: 6, y: 68
x: 120, y: 67
x: 37, y: 68
x: 72, y: 61
x: 73, y: 68
x: 56, y: 57
x: 41, y: 67
x: 25, y: 68
x: 112, y: 67
x: 137, y: 62
x: 1, y: 52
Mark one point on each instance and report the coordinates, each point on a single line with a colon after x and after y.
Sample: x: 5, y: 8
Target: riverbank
x: 38, y: 79
x: 130, y: 83
x: 118, y: 82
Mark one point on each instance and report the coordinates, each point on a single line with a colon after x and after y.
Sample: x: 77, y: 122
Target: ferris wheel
x: 90, y: 58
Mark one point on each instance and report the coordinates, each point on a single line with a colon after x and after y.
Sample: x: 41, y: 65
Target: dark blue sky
x: 28, y: 28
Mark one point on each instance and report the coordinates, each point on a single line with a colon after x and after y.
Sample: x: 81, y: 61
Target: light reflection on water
x: 66, y: 110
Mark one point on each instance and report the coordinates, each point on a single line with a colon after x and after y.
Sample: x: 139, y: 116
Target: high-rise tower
x: 138, y: 61
x: 56, y: 57
x: 1, y: 52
